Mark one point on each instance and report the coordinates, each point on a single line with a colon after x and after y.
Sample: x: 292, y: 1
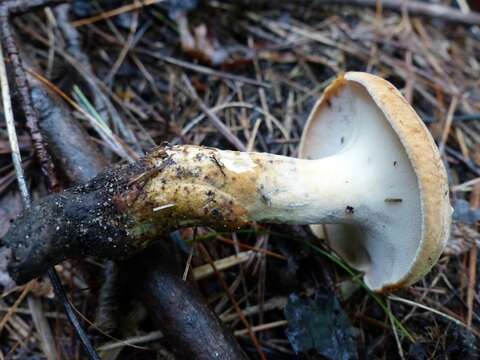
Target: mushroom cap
x: 402, y: 179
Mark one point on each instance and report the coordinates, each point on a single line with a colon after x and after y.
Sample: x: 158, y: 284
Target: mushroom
x: 376, y: 171
x: 389, y: 179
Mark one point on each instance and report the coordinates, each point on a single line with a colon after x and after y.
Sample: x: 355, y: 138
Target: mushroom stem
x: 233, y: 187
x: 119, y: 212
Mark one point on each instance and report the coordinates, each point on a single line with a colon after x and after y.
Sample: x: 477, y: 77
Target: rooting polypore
x: 373, y: 168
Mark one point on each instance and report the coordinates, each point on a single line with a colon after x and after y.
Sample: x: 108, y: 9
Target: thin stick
x: 23, y: 90
x: 448, y: 123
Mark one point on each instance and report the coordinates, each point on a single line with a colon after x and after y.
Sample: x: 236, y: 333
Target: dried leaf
x: 320, y: 325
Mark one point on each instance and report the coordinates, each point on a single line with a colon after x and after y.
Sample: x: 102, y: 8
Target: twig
x: 250, y: 247
x: 68, y: 142
x: 115, y: 143
x: 21, y: 86
x: 448, y: 123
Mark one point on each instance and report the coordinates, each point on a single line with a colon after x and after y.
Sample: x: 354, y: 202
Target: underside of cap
x: 413, y: 222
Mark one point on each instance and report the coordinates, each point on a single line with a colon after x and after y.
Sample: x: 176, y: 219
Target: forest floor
x: 138, y: 74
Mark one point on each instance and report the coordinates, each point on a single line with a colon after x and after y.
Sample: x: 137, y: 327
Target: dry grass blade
x: 12, y: 136
x: 43, y: 328
x: 141, y: 339
x: 115, y: 12
x: 12, y: 309
x: 434, y: 311
x: 204, y: 271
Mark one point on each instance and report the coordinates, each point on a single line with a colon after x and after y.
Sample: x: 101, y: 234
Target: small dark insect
x: 342, y: 139
x: 393, y: 200
x: 349, y: 209
x: 395, y: 163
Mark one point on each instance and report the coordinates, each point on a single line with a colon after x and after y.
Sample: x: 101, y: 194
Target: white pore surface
x: 384, y: 227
